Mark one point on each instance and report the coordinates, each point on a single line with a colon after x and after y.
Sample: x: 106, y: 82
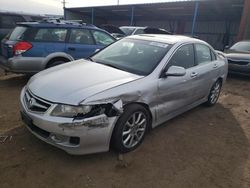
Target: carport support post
x: 195, y: 17
x: 132, y: 16
x: 92, y: 15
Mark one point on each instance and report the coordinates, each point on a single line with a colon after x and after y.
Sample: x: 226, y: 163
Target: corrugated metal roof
x: 135, y: 4
x: 171, y: 10
x: 160, y: 3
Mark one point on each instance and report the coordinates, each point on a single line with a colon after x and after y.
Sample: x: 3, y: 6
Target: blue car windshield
x: 133, y: 55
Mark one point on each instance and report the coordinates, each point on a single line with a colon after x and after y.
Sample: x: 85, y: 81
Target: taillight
x: 21, y: 47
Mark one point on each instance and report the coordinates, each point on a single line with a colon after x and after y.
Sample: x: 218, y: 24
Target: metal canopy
x: 208, y: 10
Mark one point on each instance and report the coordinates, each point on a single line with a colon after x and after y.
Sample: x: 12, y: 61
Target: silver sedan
x: 116, y: 96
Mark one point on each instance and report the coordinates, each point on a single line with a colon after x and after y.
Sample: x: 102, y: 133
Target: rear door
x: 206, y: 70
x: 81, y: 43
x: 45, y: 41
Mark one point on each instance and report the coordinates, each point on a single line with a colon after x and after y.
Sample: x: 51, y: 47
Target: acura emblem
x: 31, y: 102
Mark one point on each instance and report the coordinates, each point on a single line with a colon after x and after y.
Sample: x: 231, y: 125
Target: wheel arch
x: 55, y: 57
x: 146, y: 106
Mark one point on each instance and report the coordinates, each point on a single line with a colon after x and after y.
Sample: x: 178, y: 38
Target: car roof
x: 56, y: 25
x: 169, y: 39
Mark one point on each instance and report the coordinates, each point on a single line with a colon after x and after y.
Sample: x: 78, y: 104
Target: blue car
x: 35, y: 46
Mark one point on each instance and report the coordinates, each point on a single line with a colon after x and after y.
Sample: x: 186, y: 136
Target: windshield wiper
x: 113, y: 66
x: 90, y: 58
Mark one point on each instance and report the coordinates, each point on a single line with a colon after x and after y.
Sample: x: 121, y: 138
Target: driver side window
x: 183, y: 57
x: 102, y: 38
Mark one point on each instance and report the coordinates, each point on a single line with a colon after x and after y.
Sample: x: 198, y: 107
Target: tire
x: 56, y: 62
x: 214, y: 93
x: 130, y: 129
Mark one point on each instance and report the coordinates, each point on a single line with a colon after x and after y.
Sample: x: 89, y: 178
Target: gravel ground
x: 205, y: 147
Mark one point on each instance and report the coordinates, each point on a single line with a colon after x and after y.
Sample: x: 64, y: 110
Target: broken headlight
x: 69, y: 111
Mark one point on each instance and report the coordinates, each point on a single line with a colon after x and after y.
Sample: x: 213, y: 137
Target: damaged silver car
x: 121, y: 92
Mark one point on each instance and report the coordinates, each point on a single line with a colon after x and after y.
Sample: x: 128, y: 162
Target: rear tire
x: 56, y: 62
x: 130, y: 129
x: 214, y: 93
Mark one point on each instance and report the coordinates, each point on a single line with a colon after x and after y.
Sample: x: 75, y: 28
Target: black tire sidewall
x: 116, y: 141
x: 55, y: 63
x: 209, y: 103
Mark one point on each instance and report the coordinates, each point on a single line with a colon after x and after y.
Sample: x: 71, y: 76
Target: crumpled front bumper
x: 79, y: 137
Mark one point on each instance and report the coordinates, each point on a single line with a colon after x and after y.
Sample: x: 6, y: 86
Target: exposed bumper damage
x: 76, y: 135
x: 92, y: 122
x: 100, y: 117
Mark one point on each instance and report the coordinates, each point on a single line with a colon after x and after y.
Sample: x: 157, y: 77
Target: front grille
x: 35, y: 104
x: 238, y: 62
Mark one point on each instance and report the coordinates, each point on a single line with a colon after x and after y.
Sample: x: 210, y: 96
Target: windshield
x: 241, y: 46
x: 134, y: 56
x: 127, y: 30
x: 17, y: 33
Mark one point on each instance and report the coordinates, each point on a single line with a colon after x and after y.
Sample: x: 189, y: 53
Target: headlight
x: 70, y: 111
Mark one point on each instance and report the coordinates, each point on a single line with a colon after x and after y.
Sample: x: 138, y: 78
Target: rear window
x: 17, y: 33
x: 45, y: 34
x: 50, y: 35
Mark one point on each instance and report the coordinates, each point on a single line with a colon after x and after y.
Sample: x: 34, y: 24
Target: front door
x: 81, y: 44
x: 177, y: 92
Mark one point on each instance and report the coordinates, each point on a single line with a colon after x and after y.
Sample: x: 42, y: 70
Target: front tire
x: 130, y: 128
x: 214, y: 93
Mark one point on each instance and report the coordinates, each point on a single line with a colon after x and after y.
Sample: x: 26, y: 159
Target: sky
x: 55, y: 6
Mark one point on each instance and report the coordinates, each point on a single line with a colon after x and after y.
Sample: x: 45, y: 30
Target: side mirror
x: 175, y: 71
x: 227, y: 47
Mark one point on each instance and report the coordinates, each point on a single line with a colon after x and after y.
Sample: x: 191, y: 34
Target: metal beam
x: 92, y: 15
x: 195, y: 17
x: 132, y: 16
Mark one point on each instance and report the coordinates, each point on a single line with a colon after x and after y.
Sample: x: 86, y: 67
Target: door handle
x: 71, y: 48
x: 194, y: 74
x: 215, y: 66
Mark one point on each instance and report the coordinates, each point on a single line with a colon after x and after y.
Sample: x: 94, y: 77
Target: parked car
x: 133, y: 30
x: 113, y: 30
x: 239, y: 57
x: 121, y: 92
x: 8, y: 21
x: 34, y: 46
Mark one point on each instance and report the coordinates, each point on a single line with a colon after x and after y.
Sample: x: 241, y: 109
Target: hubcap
x: 134, y: 129
x: 215, y: 93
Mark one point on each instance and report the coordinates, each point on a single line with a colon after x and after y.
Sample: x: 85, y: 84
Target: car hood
x: 73, y: 82
x: 238, y: 56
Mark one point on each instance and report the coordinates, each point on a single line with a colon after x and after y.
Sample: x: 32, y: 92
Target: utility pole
x: 118, y: 2
x: 64, y: 4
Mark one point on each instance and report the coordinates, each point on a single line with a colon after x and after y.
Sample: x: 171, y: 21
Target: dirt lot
x: 205, y: 147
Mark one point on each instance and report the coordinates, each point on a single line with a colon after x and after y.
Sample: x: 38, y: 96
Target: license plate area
x: 28, y: 121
